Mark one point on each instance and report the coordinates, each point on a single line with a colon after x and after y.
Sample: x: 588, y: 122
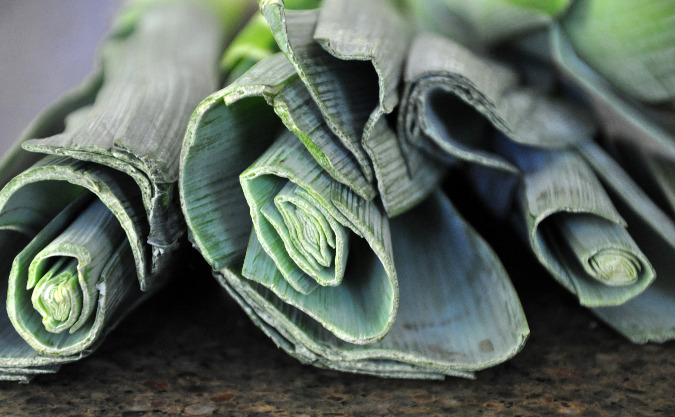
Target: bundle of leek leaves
x: 310, y: 183
x: 89, y: 213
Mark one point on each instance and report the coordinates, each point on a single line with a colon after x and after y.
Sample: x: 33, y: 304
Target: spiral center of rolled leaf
x: 310, y: 234
x: 308, y: 244
x: 615, y: 267
x: 58, y: 297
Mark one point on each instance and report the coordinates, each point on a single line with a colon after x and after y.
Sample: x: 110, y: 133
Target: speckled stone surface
x: 191, y: 351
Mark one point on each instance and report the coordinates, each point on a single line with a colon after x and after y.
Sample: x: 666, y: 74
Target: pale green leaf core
x: 63, y: 275
x: 57, y: 296
x: 600, y: 257
x: 316, y: 243
x: 615, y: 267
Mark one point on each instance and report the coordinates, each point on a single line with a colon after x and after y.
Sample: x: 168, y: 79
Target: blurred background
x: 46, y: 48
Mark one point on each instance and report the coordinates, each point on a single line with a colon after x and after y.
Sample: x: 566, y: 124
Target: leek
x: 91, y: 229
x: 305, y: 245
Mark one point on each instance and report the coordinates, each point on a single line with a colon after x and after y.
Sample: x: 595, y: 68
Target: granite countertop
x: 190, y: 350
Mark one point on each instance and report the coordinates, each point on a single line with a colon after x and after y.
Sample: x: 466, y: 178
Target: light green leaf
x: 624, y: 119
x: 629, y: 42
x: 255, y: 42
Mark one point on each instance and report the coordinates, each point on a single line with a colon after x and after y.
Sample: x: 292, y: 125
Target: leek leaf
x: 350, y: 56
x: 629, y: 42
x: 453, y: 97
x: 625, y: 119
x: 444, y: 326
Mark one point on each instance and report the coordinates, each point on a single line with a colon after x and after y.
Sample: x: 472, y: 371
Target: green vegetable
x: 91, y: 230
x: 305, y: 246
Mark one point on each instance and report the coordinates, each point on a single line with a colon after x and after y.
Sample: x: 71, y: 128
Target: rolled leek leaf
x: 458, y: 312
x: 307, y: 228
x: 102, y: 250
x: 228, y: 131
x: 350, y: 56
x: 62, y: 271
x: 587, y: 239
x: 75, y: 272
x: 453, y: 98
x: 570, y: 221
x: 649, y: 317
x: 318, y: 276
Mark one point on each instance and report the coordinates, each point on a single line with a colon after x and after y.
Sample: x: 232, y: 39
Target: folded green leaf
x: 480, y: 24
x: 453, y: 98
x: 458, y: 311
x: 350, y: 56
